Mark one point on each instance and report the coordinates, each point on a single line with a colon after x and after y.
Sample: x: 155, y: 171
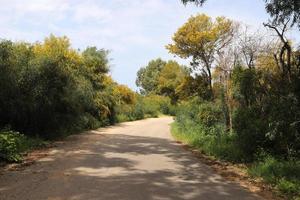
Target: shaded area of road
x: 131, y: 161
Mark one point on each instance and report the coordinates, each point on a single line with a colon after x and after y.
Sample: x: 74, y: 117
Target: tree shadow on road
x: 119, y: 167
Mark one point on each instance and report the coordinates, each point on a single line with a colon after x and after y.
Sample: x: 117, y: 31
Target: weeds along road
x: 130, y: 161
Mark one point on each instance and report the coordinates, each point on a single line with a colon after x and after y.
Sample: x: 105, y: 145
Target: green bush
x: 217, y: 143
x: 138, y: 111
x: 201, y: 124
x: 11, y: 146
x: 282, y: 174
x: 289, y: 188
x: 209, y: 114
x: 51, y: 90
x: 130, y: 112
x: 154, y: 105
x: 151, y: 106
x: 250, y: 129
x: 266, y: 114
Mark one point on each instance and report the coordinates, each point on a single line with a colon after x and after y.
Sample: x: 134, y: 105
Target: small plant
x: 283, y: 175
x: 288, y: 187
x: 11, y: 144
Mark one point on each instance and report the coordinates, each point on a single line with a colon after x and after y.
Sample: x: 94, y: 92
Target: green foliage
x: 162, y: 78
x: 211, y: 141
x: 154, y: 105
x: 145, y: 106
x: 201, y: 124
x: 44, y: 96
x: 245, y: 85
x: 49, y: 89
x: 194, y: 87
x: 13, y: 145
x: 201, y: 38
x: 272, y: 107
x: 131, y: 112
x: 209, y: 114
x: 284, y: 10
x: 197, y: 124
x: 170, y: 78
x: 246, y: 111
x: 147, y: 77
x: 284, y: 175
x: 250, y: 135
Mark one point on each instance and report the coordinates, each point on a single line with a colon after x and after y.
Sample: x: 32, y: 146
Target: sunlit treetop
x: 201, y: 35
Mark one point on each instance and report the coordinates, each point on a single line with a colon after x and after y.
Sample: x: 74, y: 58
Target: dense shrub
x: 14, y: 144
x: 49, y: 89
x: 201, y: 124
x: 11, y: 145
x: 154, y: 105
x: 250, y: 136
x: 257, y: 122
x: 283, y: 174
x: 267, y: 113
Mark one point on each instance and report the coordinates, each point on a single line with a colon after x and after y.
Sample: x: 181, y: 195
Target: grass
x: 282, y: 175
x: 210, y: 141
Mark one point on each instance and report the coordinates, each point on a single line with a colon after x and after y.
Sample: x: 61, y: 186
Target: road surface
x: 131, y: 161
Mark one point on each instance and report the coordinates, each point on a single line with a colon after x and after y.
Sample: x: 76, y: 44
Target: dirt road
x: 131, y: 161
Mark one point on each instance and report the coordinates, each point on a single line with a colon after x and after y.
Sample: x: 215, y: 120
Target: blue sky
x: 135, y: 31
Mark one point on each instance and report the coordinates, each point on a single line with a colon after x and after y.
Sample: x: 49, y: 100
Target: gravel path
x: 131, y: 161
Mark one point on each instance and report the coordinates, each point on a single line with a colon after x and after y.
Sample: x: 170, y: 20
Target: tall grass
x: 284, y: 175
x: 201, y: 126
x: 220, y: 145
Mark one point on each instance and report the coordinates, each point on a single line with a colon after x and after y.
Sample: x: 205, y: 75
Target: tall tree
x: 171, y: 77
x: 147, y: 77
x: 201, y: 39
x: 97, y: 65
x: 284, y: 59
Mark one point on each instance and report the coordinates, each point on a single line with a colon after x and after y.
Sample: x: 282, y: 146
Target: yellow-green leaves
x: 161, y: 78
x: 201, y: 35
x: 202, y: 38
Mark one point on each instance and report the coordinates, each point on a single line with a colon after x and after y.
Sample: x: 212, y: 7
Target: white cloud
x: 135, y: 30
x: 87, y: 11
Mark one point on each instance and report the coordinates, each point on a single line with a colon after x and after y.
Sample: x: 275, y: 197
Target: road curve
x: 130, y: 161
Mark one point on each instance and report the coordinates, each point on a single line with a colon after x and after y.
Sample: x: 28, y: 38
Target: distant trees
x: 147, y: 77
x: 171, y: 77
x: 162, y: 78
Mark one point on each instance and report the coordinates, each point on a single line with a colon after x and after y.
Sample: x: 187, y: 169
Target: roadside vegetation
x: 49, y: 90
x: 238, y: 100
